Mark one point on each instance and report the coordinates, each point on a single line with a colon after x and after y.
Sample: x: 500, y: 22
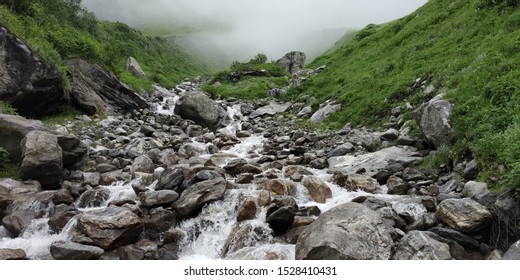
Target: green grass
x: 469, y: 49
x: 65, y: 113
x: 7, y: 109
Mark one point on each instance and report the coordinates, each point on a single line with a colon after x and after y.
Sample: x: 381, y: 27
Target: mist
x: 239, y: 29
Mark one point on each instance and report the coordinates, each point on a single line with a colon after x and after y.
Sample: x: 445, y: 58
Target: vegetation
x: 467, y: 49
x: 6, y: 108
x: 249, y: 87
x: 7, y: 168
x: 61, y: 29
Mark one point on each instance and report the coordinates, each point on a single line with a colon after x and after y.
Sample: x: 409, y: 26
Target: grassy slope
x: 57, y: 31
x: 470, y: 49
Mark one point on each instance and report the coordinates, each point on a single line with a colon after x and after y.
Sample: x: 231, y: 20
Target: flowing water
x: 213, y: 232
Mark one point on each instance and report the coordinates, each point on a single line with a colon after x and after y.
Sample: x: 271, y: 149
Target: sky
x: 273, y: 27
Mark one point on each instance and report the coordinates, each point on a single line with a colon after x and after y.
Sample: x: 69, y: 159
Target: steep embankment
x: 466, y: 49
x: 58, y: 30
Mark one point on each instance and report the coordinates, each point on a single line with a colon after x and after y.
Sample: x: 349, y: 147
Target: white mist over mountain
x: 243, y: 28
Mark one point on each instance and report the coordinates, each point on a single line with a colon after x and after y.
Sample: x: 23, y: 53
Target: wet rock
x: 142, y: 164
x: 59, y: 220
x: 158, y: 221
x: 94, y: 197
x: 246, y: 178
x: 264, y: 198
x: 513, y: 253
x: 154, y: 199
x: 75, y: 251
x: 244, y: 235
x: 32, y: 86
x: 433, y: 119
x: 465, y: 215
x: 356, y: 182
x: 196, y: 196
x: 198, y: 107
x: 247, y: 211
x: 173, y: 236
x: 464, y: 240
x: 318, y: 190
x: 62, y: 196
x: 292, y: 62
x: 234, y: 167
x: 12, y: 254
x: 418, y: 245
x: 296, y: 172
x: 346, y: 232
x: 397, y: 186
x: 12, y: 130
x: 18, y: 221
x: 282, y: 219
x: 111, y: 227
x: 280, y: 187
x: 42, y: 159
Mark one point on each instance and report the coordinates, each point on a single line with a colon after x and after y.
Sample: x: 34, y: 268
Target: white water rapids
x: 206, y: 236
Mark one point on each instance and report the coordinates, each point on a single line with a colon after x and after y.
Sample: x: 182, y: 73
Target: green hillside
x: 469, y: 49
x: 60, y: 29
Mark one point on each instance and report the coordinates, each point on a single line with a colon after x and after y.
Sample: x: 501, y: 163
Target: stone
x: 201, y: 109
x: 513, y: 253
x: 390, y: 135
x: 157, y: 221
x: 373, y: 162
x: 18, y: 221
x: 296, y: 172
x: 418, y: 245
x: 318, y: 190
x: 42, y: 159
x: 97, y: 91
x: 33, y: 87
x: 12, y: 130
x: 281, y: 219
x: 130, y: 252
x: 280, y: 187
x: 12, y: 254
x: 478, y: 191
x: 74, y: 151
x: 244, y: 235
x: 397, y: 186
x: 471, y: 170
x: 292, y: 62
x: 170, y: 179
x: 272, y: 109
x: 406, y: 141
x: 62, y: 196
x: 198, y: 195
x: 347, y: 232
x: 75, y: 251
x: 433, y: 119
x: 248, y: 210
x: 341, y: 150
x: 464, y: 240
x: 111, y: 227
x: 464, y: 215
x: 133, y: 67
x: 142, y: 164
x: 58, y: 221
x: 158, y: 198
x: 94, y: 197
x: 324, y: 112
x: 357, y: 182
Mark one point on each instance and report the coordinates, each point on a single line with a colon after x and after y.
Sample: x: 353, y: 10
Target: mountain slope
x: 467, y: 49
x: 61, y: 29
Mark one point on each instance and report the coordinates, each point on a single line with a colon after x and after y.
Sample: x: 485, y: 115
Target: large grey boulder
x: 419, y: 245
x: 464, y: 215
x: 292, y: 62
x: 33, y: 87
x: 12, y: 130
x: 324, y: 112
x: 201, y: 109
x: 95, y: 90
x: 75, y: 251
x: 198, y: 195
x: 433, y: 119
x: 133, y: 67
x: 347, y: 232
x: 42, y: 159
x: 111, y: 227
x: 513, y: 253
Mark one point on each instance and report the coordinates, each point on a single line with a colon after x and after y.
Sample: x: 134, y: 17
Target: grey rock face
x: 347, y: 232
x: 42, y: 159
x: 434, y: 121
x: 418, y: 245
x: 465, y: 215
x: 133, y: 66
x: 324, y: 112
x: 272, y: 109
x: 292, y: 62
x: 33, y: 87
x: 12, y: 130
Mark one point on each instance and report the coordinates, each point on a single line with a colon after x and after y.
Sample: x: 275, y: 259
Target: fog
x: 239, y: 29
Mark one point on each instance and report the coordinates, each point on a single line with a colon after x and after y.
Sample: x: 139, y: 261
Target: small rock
x: 248, y: 210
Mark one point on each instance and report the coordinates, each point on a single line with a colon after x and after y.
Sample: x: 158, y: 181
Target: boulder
x: 142, y: 164
x: 244, y: 235
x: 419, y: 245
x: 74, y: 151
x: 281, y: 219
x: 318, y: 190
x: 292, y: 62
x: 248, y: 210
x: 42, y: 159
x: 32, y: 86
x: 12, y: 254
x: 397, y: 186
x: 201, y: 109
x: 358, y: 182
x: 94, y: 197
x: 170, y: 179
x: 341, y: 150
x: 280, y: 187
x: 18, y: 221
x: 347, y: 232
x: 453, y: 235
x: 513, y: 253
x: 272, y: 109
x: 198, y: 195
x: 465, y: 215
x: 478, y: 191
x: 75, y: 251
x: 12, y: 130
x: 433, y: 119
x: 95, y: 90
x: 133, y: 67
x: 158, y: 221
x: 324, y: 112
x: 111, y: 227
x: 158, y: 198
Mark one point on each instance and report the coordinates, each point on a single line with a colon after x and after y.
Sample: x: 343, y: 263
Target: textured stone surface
x: 465, y: 215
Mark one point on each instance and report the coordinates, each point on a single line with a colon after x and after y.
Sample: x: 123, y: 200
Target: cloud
x: 273, y: 27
